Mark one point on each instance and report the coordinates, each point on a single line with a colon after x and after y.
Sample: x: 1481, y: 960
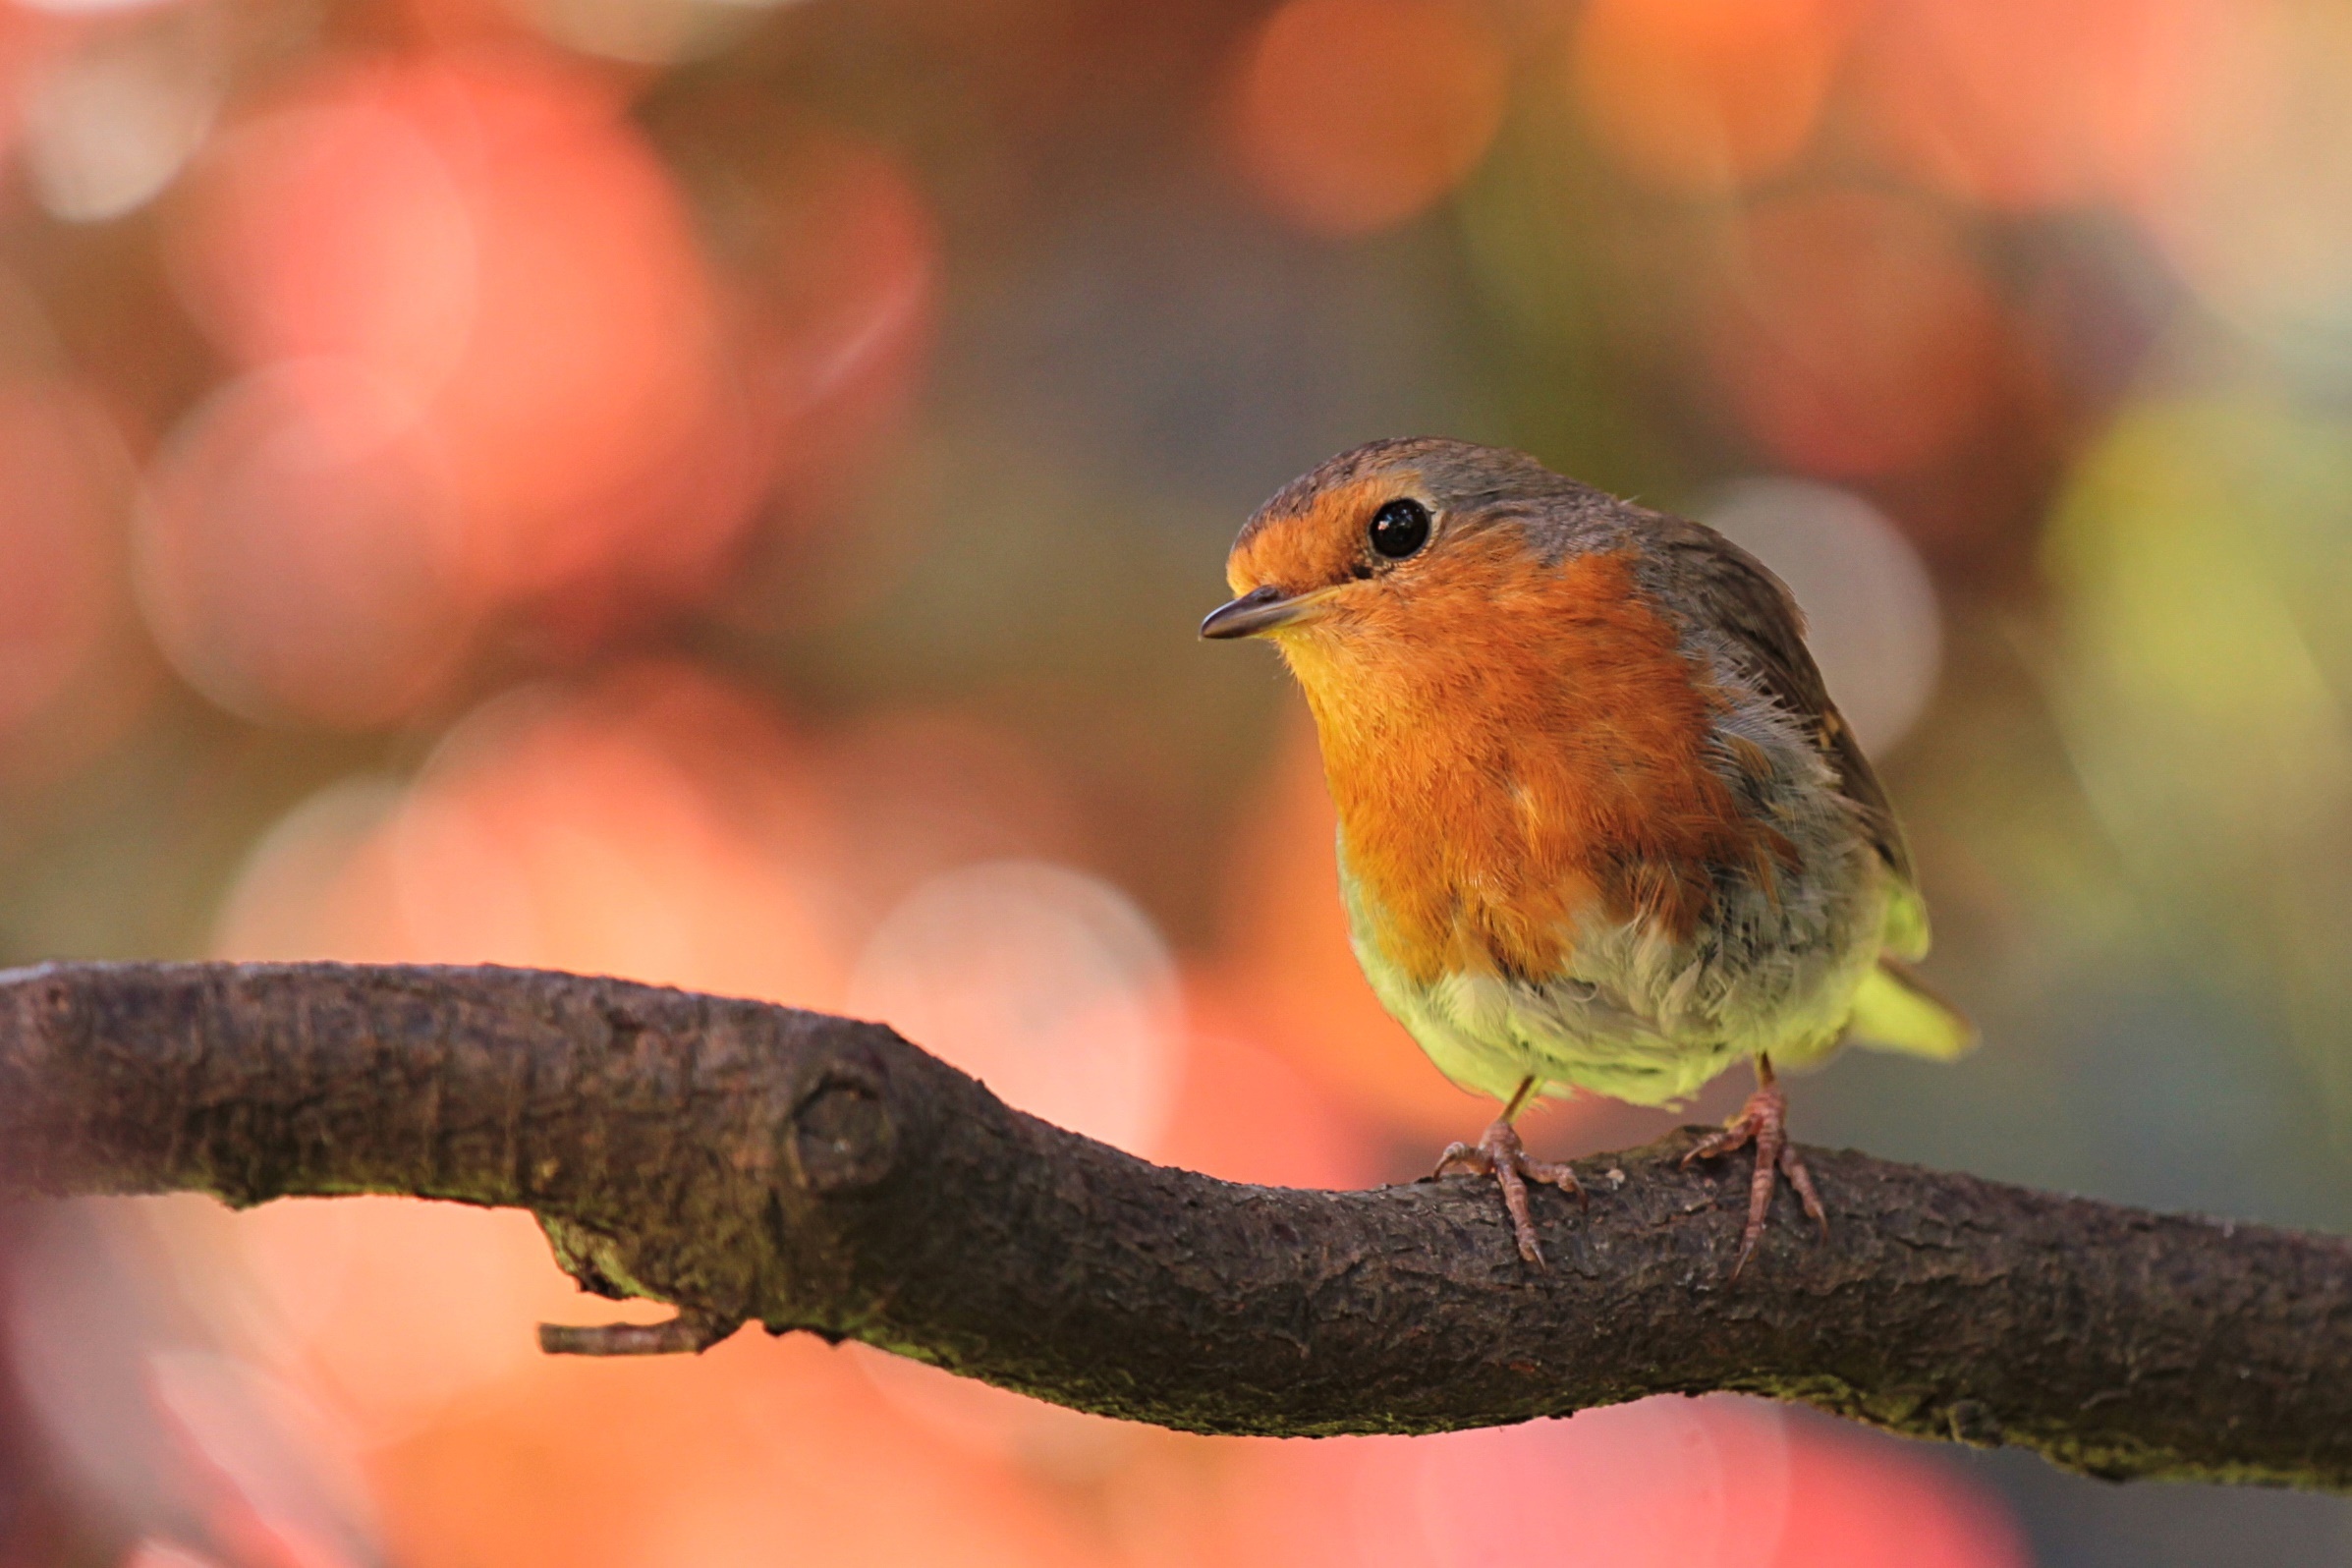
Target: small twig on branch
x: 753, y: 1163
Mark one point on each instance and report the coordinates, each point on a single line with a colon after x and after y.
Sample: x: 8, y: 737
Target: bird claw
x: 1763, y: 1122
x: 1499, y: 1153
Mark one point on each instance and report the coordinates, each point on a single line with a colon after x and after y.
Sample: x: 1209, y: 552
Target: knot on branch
x: 841, y: 1137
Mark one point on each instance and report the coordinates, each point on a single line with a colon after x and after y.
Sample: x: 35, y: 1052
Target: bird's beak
x: 1262, y: 609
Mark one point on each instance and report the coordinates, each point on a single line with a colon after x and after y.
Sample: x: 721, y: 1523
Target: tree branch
x: 749, y: 1162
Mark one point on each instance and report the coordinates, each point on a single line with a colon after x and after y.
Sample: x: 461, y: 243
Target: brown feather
x: 1719, y: 585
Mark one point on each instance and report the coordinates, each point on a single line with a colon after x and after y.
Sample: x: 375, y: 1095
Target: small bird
x: 1600, y: 826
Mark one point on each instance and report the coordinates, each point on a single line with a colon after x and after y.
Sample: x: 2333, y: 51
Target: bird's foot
x: 1498, y: 1153
x: 1763, y: 1122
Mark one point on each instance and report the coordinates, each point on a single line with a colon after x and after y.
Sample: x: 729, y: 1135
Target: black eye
x: 1400, y: 528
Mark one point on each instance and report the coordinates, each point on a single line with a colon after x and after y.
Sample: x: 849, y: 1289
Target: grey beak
x: 1262, y: 609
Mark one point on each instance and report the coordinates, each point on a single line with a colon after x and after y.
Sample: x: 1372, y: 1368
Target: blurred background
x: 721, y: 491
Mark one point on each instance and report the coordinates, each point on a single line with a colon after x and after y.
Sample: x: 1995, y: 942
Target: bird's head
x: 1392, y: 543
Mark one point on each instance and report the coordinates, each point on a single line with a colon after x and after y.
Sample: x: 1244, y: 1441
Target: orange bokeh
x: 2020, y: 104
x: 299, y: 556
x: 653, y: 823
x: 1246, y: 1114
x: 268, y: 1472
x: 1849, y: 332
x: 1704, y: 94
x: 66, y: 480
x: 1354, y: 115
x: 489, y: 237
x: 30, y: 39
x: 1665, y: 1482
x: 391, y: 1308
x: 335, y: 226
x: 2244, y: 196
x: 319, y: 884
x: 982, y: 1419
x: 755, y: 1453
x: 1046, y: 983
x: 1856, y: 1504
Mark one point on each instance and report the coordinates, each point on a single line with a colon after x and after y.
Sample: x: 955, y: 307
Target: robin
x: 1600, y: 826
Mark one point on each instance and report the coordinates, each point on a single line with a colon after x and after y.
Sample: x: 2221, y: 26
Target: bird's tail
x: 1897, y: 1011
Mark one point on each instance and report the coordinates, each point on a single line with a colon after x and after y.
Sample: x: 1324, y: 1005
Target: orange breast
x: 1513, y: 747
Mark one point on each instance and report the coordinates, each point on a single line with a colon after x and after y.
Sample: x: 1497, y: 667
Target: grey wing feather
x: 1741, y: 596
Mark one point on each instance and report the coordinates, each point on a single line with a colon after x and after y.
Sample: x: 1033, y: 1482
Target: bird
x: 1600, y: 826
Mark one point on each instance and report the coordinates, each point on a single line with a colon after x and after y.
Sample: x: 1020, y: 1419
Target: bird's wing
x: 1732, y: 590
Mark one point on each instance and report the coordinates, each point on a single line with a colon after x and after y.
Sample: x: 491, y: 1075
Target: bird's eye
x: 1400, y: 528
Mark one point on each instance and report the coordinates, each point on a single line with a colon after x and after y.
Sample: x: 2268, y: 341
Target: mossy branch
x: 754, y: 1164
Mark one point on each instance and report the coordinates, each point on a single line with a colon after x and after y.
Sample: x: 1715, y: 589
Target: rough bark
x: 754, y: 1164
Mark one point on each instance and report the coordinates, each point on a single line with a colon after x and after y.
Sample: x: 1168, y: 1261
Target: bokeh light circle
x: 1657, y: 1484
x: 334, y: 226
x: 110, y: 124
x: 490, y: 236
x: 318, y: 883
x: 297, y: 557
x: 2247, y: 196
x: 1047, y: 985
x: 2021, y: 106
x: 1702, y: 95
x: 1662, y: 1483
x: 655, y: 823
x: 1870, y: 606
x: 1849, y: 331
x: 1354, y: 115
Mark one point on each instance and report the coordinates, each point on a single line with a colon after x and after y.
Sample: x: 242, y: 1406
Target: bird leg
x: 1763, y: 1122
x: 1498, y: 1153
